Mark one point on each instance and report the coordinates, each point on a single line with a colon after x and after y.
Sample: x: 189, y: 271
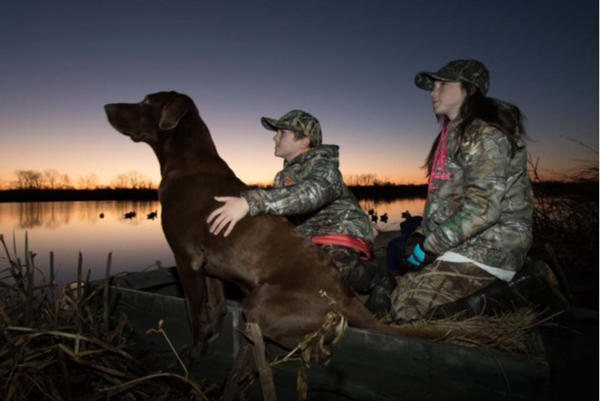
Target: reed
x: 565, y: 230
x: 56, y: 343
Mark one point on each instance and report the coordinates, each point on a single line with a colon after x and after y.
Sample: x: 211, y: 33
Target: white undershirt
x: 502, y: 274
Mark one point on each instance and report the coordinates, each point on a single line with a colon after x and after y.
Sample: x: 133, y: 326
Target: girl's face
x: 286, y: 146
x: 447, y: 98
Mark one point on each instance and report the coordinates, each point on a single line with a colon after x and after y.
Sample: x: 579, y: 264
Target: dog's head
x: 147, y: 120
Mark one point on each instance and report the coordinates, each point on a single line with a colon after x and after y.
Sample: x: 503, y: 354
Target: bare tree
x: 120, y: 182
x: 132, y: 180
x: 51, y: 178
x: 136, y: 179
x: 65, y: 182
x: 28, y: 179
x: 362, y: 180
x: 35, y: 179
x: 89, y: 181
x: 21, y: 181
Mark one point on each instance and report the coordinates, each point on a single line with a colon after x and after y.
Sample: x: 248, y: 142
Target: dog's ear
x: 173, y: 112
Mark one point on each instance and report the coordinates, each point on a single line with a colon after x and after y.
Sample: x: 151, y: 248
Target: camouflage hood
x: 330, y: 152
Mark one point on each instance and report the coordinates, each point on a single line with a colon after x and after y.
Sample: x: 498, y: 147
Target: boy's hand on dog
x: 233, y: 210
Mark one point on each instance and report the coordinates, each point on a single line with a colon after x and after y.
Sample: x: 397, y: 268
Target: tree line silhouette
x: 52, y: 179
x: 50, y: 185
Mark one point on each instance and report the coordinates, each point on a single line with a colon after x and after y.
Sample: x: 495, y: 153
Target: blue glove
x: 421, y: 257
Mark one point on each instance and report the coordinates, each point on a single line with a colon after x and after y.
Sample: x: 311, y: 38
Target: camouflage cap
x: 299, y: 121
x: 471, y: 71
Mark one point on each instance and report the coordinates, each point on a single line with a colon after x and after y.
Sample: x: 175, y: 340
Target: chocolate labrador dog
x: 289, y: 285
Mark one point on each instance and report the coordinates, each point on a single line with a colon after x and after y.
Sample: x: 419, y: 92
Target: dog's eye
x: 146, y: 100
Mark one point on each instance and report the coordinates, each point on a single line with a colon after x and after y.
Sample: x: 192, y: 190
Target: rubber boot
x: 534, y: 286
x: 368, y: 277
x: 364, y: 276
x: 379, y: 302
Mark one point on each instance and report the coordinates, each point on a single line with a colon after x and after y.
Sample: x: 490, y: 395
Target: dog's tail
x: 359, y: 316
x: 429, y: 333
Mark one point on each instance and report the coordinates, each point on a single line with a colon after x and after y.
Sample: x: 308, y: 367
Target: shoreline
x: 580, y: 190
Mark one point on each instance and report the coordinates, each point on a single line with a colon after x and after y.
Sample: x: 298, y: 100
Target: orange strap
x: 344, y: 240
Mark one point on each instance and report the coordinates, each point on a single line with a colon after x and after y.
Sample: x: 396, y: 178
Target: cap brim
x: 424, y: 79
x: 269, y: 123
x: 273, y: 125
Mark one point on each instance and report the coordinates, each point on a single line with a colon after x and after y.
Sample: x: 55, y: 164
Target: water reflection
x: 69, y: 228
x: 97, y: 228
x: 52, y: 215
x: 393, y: 209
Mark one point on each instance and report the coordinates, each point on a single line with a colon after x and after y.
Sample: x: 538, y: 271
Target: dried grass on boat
x: 506, y: 332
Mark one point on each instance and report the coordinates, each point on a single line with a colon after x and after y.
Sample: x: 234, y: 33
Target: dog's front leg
x: 217, y: 308
x: 194, y: 283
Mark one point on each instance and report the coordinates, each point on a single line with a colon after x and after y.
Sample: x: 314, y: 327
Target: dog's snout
x: 109, y: 107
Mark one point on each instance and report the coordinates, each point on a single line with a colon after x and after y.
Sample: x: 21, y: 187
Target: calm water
x: 97, y: 228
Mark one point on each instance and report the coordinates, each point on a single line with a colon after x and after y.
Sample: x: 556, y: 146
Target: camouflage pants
x: 439, y: 283
x: 361, y: 275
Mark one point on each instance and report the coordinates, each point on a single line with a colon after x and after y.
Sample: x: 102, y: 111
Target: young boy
x: 310, y: 191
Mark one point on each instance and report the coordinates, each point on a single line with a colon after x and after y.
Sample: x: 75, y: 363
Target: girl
x: 477, y: 222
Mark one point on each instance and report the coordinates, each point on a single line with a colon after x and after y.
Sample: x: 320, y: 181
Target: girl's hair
x: 505, y: 116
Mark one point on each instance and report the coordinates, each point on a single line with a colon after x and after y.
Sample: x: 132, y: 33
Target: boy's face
x: 286, y: 146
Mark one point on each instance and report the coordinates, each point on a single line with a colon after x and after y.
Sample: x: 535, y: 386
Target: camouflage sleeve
x: 320, y: 187
x: 485, y: 173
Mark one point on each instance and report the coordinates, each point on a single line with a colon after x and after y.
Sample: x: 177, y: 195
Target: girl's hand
x: 420, y: 256
x: 233, y: 210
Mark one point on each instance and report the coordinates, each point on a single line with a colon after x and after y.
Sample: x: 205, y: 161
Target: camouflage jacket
x: 310, y: 191
x: 483, y: 209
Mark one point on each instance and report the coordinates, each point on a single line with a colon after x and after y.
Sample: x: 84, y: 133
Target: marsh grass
x: 58, y: 344
x: 565, y: 230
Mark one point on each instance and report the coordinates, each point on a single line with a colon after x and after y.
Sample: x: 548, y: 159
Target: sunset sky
x: 351, y: 63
